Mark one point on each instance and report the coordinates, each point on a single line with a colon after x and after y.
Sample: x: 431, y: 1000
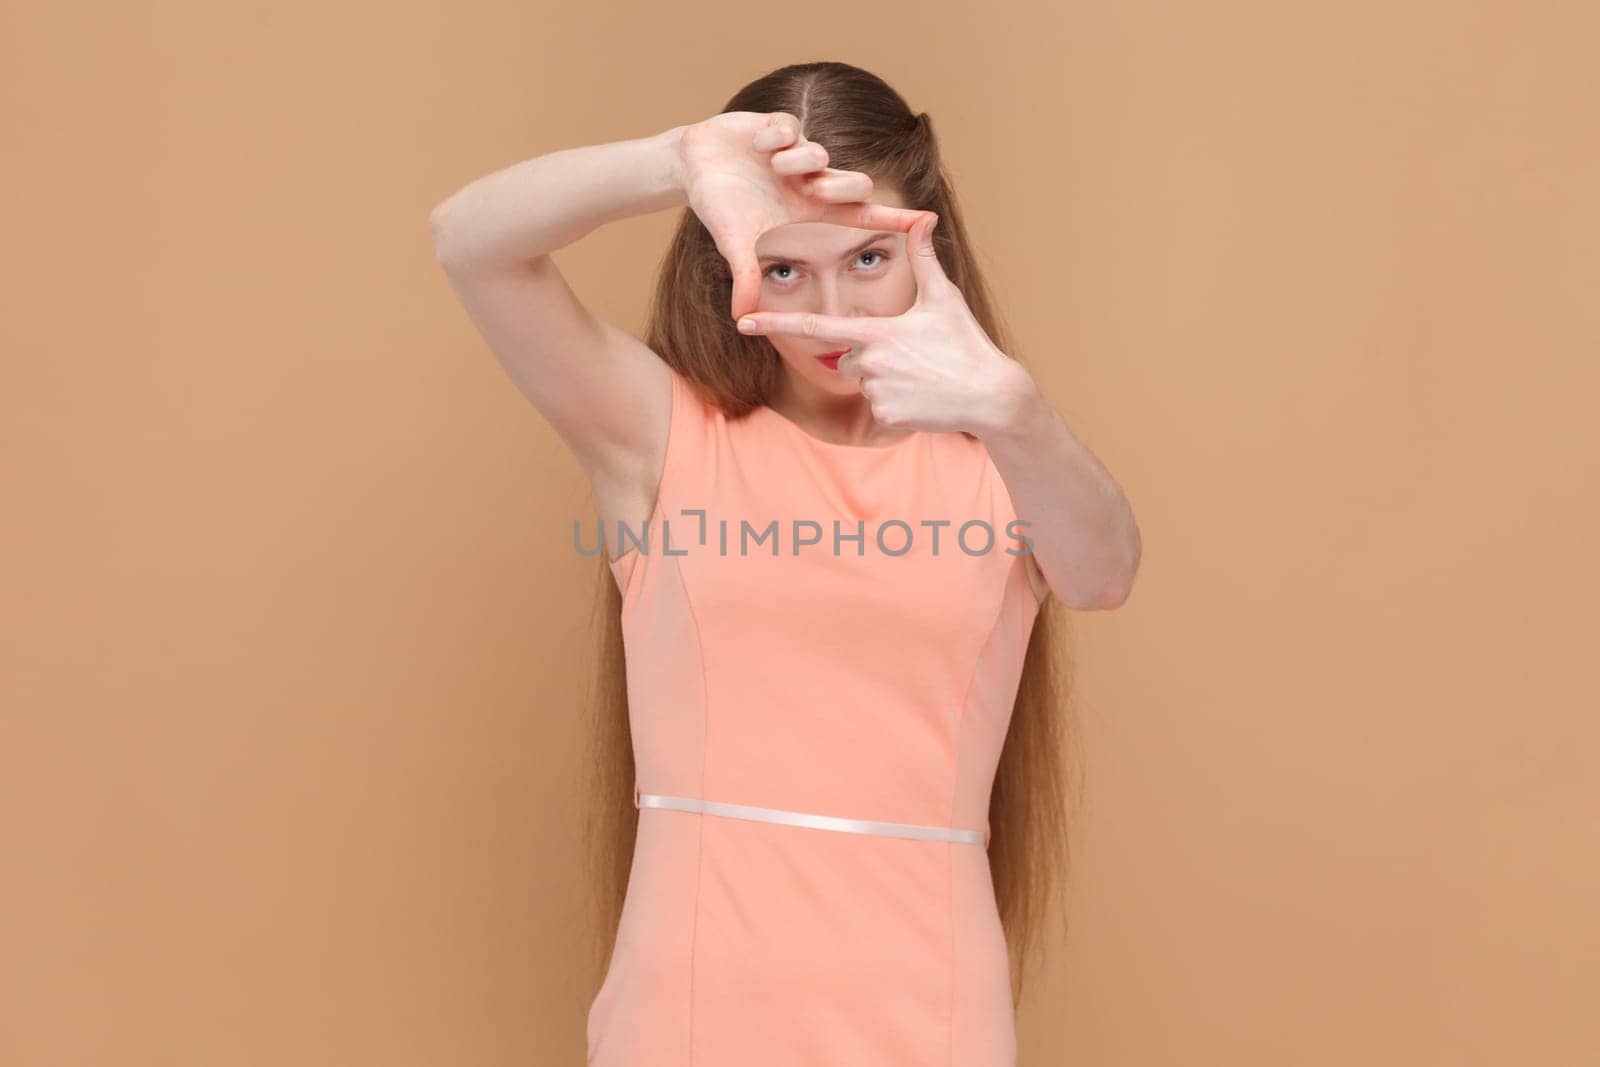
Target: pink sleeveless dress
x: 866, y: 683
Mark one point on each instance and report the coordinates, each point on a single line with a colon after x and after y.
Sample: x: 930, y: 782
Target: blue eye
x: 867, y: 252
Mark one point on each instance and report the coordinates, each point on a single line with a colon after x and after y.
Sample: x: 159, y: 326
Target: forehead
x: 818, y: 242
x: 825, y: 242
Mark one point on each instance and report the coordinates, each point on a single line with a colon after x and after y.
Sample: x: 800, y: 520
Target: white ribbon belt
x: 806, y: 818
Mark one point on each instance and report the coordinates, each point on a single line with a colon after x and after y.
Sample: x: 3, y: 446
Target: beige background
x: 292, y: 629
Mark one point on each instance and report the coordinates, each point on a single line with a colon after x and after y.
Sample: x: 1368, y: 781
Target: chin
x: 816, y: 373
x: 835, y: 382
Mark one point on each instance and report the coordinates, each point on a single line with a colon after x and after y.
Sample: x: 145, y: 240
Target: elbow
x: 1107, y: 598
x: 1119, y: 591
x: 439, y: 231
x: 1114, y: 597
x: 436, y: 216
x: 1115, y: 592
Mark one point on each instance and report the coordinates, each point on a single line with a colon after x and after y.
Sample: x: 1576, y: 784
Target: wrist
x: 1017, y: 409
x: 670, y: 145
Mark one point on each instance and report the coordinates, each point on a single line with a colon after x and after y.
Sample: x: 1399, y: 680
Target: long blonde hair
x: 865, y: 126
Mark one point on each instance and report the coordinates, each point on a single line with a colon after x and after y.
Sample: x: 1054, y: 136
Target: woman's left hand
x: 929, y: 368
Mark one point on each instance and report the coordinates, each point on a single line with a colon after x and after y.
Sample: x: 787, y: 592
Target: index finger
x: 807, y: 324
x: 868, y: 216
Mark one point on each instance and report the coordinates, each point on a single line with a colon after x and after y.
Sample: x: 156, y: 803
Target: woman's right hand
x: 745, y: 172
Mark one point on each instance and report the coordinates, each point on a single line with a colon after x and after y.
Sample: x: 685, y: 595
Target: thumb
x: 925, y: 265
x: 746, y: 284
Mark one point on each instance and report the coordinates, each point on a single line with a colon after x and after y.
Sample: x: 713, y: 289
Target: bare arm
x: 605, y: 393
x: 516, y: 215
x: 1087, y: 543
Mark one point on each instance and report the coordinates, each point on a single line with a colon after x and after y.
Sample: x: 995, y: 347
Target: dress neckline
x: 798, y: 431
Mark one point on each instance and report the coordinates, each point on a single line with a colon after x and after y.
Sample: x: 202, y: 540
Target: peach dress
x: 862, y: 684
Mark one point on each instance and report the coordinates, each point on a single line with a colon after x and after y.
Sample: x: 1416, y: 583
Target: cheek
x: 788, y: 351
x: 898, y: 291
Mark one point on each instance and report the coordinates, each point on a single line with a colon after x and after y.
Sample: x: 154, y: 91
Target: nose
x: 830, y: 301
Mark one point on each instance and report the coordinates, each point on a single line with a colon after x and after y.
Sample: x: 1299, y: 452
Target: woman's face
x: 832, y: 270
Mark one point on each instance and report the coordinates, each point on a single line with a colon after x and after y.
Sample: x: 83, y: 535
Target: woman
x: 837, y: 790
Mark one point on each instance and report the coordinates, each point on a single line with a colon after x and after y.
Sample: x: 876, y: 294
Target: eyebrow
x: 851, y: 252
